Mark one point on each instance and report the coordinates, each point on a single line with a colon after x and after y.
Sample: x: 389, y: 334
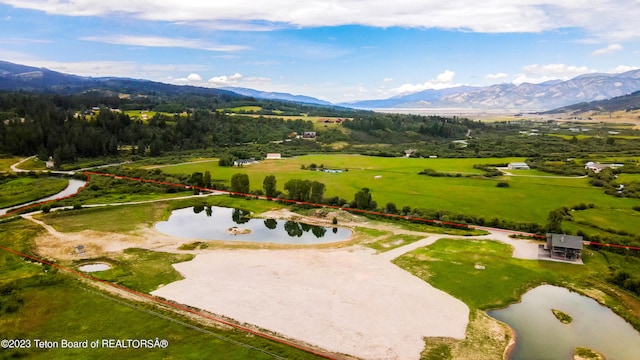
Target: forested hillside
x: 97, y: 124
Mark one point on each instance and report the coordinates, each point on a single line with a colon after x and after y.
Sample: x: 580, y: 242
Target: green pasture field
x: 527, y: 199
x: 245, y: 108
x: 615, y: 219
x: 106, y: 218
x: 25, y: 189
x: 569, y: 137
x: 449, y: 265
x: 138, y: 114
x: 625, y: 178
x: 39, y: 302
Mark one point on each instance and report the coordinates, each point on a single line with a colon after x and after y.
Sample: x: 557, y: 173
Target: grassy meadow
x: 6, y: 162
x: 24, y: 189
x: 527, y: 199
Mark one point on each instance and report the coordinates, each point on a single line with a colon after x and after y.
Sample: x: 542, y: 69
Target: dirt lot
x: 344, y: 300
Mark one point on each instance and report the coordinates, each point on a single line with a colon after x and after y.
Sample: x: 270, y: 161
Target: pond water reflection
x: 540, y: 335
x: 215, y: 223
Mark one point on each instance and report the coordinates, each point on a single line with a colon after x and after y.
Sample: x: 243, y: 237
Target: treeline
x: 402, y: 128
x: 34, y: 124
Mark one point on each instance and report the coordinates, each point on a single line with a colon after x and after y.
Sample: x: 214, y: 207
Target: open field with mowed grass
x: 24, y: 189
x: 527, y: 199
x: 615, y: 219
x: 39, y: 302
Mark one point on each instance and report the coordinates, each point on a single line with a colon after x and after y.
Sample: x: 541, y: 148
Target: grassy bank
x: 124, y: 218
x: 24, y: 189
x: 449, y: 265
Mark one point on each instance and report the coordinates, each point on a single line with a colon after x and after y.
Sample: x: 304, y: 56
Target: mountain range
x: 15, y: 77
x: 526, y: 96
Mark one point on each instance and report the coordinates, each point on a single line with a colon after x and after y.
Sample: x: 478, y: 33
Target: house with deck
x: 564, y: 247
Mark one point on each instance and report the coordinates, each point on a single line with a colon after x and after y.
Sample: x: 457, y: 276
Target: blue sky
x: 336, y: 50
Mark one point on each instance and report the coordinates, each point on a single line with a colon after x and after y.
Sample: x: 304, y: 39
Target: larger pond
x: 220, y: 223
x: 540, y: 335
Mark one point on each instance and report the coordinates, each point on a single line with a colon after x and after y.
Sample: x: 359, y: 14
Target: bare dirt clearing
x: 344, y: 300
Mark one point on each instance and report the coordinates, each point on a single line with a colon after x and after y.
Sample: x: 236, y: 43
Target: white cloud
x: 154, y: 41
x: 496, y: 76
x: 387, y: 79
x: 224, y: 80
x: 608, y: 50
x: 238, y: 79
x: 601, y: 19
x: 624, y: 68
x: 194, y: 78
x: 442, y: 81
x: 536, y: 74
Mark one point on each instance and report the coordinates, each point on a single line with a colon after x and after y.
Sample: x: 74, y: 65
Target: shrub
x: 503, y: 184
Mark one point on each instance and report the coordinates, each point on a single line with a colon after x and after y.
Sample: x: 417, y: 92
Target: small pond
x: 540, y: 335
x: 94, y: 267
x: 220, y: 223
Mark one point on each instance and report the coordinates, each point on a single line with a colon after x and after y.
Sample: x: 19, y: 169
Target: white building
x: 518, y: 166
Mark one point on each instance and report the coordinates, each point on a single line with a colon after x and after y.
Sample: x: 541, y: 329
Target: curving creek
x: 72, y: 188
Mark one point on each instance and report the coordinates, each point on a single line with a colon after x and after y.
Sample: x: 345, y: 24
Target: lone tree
x: 317, y: 192
x: 555, y: 221
x: 269, y: 186
x: 207, y: 179
x: 364, y: 201
x: 240, y: 183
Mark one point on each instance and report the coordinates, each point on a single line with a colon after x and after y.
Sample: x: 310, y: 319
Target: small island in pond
x: 562, y: 316
x: 238, y: 231
x: 582, y: 353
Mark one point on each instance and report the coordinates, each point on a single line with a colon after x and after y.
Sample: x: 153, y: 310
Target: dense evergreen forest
x: 63, y: 126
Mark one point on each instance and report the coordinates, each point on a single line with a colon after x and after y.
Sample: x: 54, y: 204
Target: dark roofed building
x: 567, y: 247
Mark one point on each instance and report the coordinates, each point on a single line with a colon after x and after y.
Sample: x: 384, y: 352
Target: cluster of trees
x: 398, y: 128
x: 607, y: 179
x: 305, y: 190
